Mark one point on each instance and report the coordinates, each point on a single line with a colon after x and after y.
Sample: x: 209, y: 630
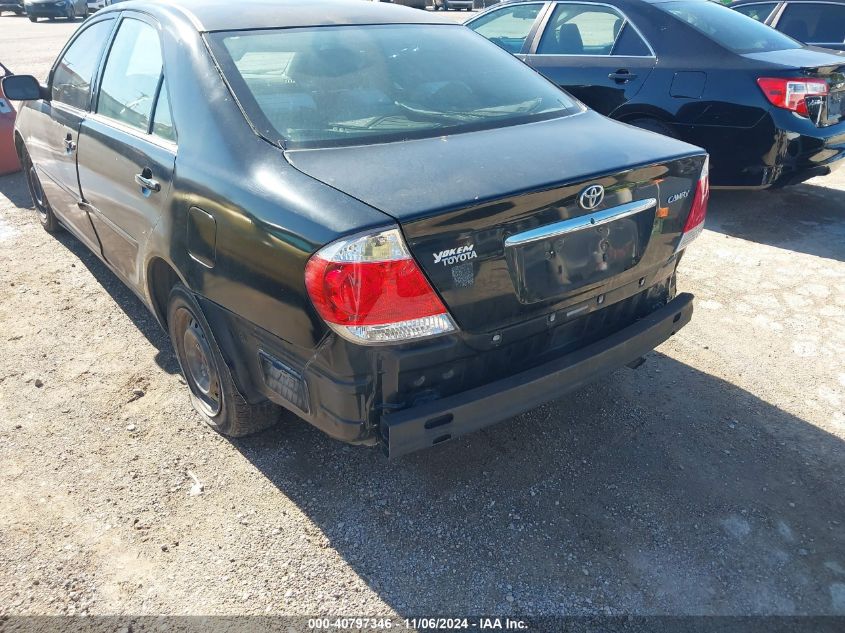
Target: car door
x: 594, y: 52
x: 511, y: 26
x: 127, y: 147
x: 55, y: 129
x: 814, y: 23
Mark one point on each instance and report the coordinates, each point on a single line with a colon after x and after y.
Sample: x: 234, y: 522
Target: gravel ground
x: 708, y: 481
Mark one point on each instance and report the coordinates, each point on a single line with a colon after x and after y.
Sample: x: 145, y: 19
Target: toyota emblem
x: 591, y: 197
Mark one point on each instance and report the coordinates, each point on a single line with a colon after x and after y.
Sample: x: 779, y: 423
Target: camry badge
x: 591, y: 197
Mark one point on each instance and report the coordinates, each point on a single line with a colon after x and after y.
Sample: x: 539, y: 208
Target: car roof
x: 739, y: 2
x: 225, y: 15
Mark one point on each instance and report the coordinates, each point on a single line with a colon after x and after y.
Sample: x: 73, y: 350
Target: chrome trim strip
x: 582, y: 222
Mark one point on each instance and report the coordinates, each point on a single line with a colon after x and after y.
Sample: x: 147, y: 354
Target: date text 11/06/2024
x: 429, y: 623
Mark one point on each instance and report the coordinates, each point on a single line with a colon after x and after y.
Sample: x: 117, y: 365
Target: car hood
x: 807, y: 57
x: 422, y: 177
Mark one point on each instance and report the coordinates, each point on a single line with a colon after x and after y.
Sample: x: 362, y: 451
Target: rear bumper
x: 47, y: 11
x: 781, y: 149
x: 423, y: 426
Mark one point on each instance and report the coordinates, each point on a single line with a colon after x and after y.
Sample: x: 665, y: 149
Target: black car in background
x: 768, y: 109
x: 52, y: 9
x: 15, y: 7
x: 379, y: 220
x: 815, y: 22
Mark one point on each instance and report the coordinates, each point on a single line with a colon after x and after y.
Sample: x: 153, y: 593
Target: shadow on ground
x: 664, y: 490
x: 806, y: 218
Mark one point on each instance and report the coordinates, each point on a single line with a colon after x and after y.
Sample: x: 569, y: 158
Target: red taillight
x: 369, y: 289
x: 791, y: 93
x: 698, y: 211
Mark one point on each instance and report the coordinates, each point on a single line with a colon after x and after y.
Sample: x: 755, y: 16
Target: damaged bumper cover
x: 419, y: 427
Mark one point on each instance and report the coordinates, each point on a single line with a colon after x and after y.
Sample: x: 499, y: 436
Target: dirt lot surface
x: 707, y: 481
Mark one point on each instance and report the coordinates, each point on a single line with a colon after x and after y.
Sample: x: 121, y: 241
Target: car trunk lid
x: 496, y: 218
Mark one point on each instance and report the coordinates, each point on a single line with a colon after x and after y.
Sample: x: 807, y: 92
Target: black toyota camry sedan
x: 370, y: 216
x: 768, y: 109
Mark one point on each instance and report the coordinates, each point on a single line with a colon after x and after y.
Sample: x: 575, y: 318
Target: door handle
x: 70, y: 146
x: 145, y: 179
x: 622, y: 76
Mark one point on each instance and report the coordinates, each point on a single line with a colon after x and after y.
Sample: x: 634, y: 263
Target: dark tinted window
x: 630, y: 43
x: 132, y: 75
x: 71, y: 81
x: 759, y: 11
x: 728, y: 28
x: 812, y: 22
x: 342, y: 84
x: 581, y: 29
x: 162, y: 119
x: 508, y: 27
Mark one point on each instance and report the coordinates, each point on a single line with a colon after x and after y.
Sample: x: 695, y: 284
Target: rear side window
x: 759, y: 12
x: 728, y: 28
x: 508, y: 27
x: 71, y: 82
x: 132, y: 75
x: 814, y: 22
x: 630, y: 43
x: 162, y: 119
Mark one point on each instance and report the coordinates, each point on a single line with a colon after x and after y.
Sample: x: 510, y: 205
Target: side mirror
x: 23, y: 88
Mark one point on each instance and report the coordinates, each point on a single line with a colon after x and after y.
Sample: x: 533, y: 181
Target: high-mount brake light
x: 791, y: 93
x: 698, y: 211
x: 369, y: 289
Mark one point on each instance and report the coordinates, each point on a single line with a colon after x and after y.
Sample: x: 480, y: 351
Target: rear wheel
x: 32, y: 18
x: 71, y: 13
x: 46, y: 216
x: 213, y: 392
x: 652, y: 125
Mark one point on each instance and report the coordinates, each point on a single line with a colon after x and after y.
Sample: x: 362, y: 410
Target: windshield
x: 364, y: 84
x: 731, y: 29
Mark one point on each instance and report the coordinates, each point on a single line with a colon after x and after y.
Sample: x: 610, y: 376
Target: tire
x: 652, y: 125
x: 32, y: 18
x: 46, y: 216
x: 213, y: 392
x: 71, y: 13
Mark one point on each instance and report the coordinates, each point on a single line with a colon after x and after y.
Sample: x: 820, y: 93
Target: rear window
x: 728, y: 28
x: 812, y: 22
x: 341, y: 85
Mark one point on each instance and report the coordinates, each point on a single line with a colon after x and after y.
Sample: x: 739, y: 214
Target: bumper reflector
x: 284, y: 381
